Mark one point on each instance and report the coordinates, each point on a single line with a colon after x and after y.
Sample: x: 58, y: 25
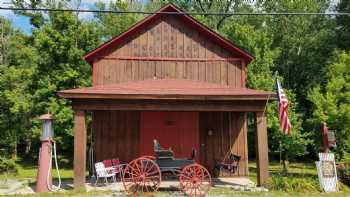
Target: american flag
x: 283, y: 109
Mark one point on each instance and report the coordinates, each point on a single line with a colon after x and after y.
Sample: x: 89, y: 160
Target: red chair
x: 107, y: 163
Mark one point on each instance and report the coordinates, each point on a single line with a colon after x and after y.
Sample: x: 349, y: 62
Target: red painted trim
x: 185, y: 18
x: 171, y: 59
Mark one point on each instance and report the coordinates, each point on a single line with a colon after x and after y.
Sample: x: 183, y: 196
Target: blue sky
x: 23, y: 23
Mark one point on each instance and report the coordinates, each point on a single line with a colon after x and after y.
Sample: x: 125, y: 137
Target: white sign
x: 327, y: 173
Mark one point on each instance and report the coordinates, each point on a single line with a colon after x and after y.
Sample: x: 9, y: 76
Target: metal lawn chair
x: 104, y: 172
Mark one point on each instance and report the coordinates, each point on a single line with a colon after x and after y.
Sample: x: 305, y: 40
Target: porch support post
x: 79, y: 149
x: 262, y: 159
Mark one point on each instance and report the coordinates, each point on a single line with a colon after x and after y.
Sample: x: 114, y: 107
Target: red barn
x: 169, y: 78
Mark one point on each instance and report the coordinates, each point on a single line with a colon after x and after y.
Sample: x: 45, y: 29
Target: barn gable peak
x: 188, y: 20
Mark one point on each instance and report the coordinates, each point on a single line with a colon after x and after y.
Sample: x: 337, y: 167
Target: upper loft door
x: 176, y: 130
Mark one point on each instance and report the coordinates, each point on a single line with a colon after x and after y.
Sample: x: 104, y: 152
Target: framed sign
x: 327, y: 173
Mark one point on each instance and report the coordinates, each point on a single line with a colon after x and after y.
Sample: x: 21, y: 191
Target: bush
x: 292, y: 184
x: 7, y: 165
x: 344, y: 173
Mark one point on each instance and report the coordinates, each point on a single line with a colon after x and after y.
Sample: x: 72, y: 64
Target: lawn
x: 300, y: 181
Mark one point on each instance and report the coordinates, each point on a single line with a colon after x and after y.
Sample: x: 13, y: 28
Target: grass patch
x: 301, y: 180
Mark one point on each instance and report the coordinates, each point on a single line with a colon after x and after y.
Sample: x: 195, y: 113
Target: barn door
x: 178, y: 130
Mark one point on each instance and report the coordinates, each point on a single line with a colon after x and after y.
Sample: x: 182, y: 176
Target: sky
x: 22, y: 22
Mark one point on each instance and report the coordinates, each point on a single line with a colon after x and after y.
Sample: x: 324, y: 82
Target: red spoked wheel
x: 140, y: 176
x: 195, y: 180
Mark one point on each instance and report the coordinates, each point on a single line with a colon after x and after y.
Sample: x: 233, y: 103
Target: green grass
x: 297, y: 172
x: 222, y: 192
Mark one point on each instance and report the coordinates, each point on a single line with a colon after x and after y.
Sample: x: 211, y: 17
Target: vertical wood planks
x: 114, y: 133
x: 229, y: 134
x: 262, y: 159
x: 79, y: 149
x: 171, y: 66
x: 158, y: 48
x: 169, y: 37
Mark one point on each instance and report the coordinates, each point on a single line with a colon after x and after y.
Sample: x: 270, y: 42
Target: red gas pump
x: 48, y: 148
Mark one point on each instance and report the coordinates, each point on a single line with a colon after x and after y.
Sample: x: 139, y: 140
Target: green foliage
x: 305, y: 44
x: 114, y: 24
x: 344, y: 174
x: 332, y: 101
x: 7, y: 166
x: 292, y: 184
x: 343, y: 25
x: 259, y: 76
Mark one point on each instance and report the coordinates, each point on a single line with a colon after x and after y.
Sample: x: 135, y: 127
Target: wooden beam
x: 262, y: 97
x: 168, y: 105
x: 149, y: 58
x: 79, y: 149
x: 262, y: 159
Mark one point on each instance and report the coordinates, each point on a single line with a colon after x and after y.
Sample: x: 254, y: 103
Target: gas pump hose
x: 53, y: 188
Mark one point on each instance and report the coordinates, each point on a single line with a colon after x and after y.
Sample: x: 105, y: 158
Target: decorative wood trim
x: 262, y: 159
x: 79, y: 149
x: 149, y: 58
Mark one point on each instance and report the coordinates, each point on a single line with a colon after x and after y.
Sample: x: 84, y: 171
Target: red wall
x: 178, y: 130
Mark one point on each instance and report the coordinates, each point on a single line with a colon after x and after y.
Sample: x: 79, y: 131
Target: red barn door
x: 178, y: 130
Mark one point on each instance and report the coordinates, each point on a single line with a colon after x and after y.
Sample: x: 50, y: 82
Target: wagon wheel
x: 195, y: 180
x: 141, y: 175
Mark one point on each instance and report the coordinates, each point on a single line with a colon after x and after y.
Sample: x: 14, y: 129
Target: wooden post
x: 262, y: 159
x: 79, y: 149
x: 325, y: 138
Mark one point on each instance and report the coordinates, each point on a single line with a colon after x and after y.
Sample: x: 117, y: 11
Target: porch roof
x: 182, y: 89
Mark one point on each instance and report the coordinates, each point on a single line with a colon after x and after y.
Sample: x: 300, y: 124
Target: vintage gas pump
x: 48, y: 148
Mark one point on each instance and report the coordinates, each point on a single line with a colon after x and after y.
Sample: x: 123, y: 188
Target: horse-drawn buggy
x: 145, y: 173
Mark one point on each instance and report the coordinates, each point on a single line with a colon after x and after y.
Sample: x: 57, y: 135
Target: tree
x: 343, y: 25
x: 16, y: 73
x: 114, y: 24
x: 305, y: 43
x: 260, y: 76
x: 61, y: 42
x: 332, y: 101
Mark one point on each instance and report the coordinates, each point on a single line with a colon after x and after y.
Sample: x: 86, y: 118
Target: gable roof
x: 215, y: 37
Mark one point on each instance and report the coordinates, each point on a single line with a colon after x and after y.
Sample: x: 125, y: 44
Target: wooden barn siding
x: 119, y: 138
x: 229, y: 131
x: 168, y: 38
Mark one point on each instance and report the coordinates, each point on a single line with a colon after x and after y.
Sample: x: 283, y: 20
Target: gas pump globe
x: 46, y: 129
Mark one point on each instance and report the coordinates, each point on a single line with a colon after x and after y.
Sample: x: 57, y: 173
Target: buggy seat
x: 161, y: 153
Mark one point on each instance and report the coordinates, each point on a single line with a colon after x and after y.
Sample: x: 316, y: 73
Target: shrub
x: 344, y: 173
x: 292, y: 184
x: 7, y: 165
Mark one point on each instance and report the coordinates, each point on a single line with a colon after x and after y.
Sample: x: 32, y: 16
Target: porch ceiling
x: 168, y: 89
